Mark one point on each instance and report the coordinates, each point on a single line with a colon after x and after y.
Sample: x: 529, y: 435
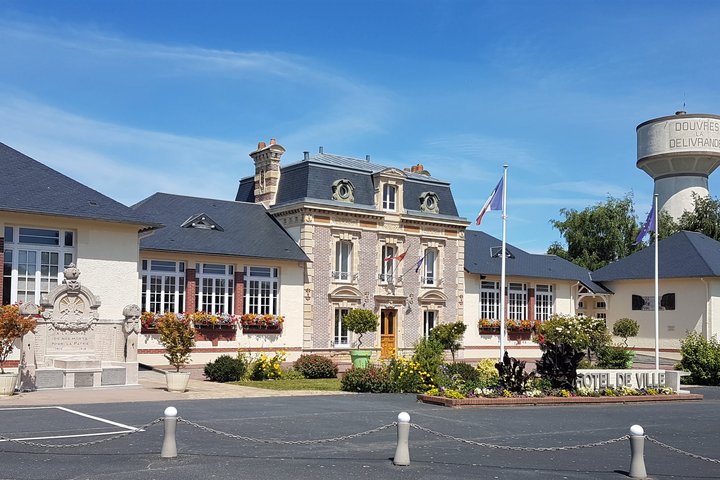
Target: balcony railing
x: 344, y: 276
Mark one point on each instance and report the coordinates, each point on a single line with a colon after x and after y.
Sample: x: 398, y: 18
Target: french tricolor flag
x: 494, y: 202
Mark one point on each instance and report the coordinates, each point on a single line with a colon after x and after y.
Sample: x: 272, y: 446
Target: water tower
x: 679, y: 152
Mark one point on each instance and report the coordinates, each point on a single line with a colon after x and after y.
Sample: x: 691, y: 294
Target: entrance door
x: 388, y: 325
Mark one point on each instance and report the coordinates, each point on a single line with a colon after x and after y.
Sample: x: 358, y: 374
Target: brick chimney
x: 267, y: 171
x: 419, y: 169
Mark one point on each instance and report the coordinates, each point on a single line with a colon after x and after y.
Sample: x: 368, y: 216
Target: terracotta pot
x: 7, y: 383
x: 177, y: 381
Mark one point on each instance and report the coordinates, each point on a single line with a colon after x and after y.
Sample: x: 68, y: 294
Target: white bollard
x: 169, y: 447
x: 402, y: 452
x: 637, y: 452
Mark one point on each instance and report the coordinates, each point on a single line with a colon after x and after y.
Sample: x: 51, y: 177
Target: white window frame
x: 262, y: 290
x: 389, y: 197
x: 601, y: 316
x: 47, y: 273
x: 215, y: 288
x: 343, y: 261
x: 430, y: 321
x: 601, y: 305
x: 544, y: 302
x: 389, y: 267
x: 430, y: 267
x: 490, y: 300
x: 517, y: 301
x: 341, y: 337
x: 163, y: 286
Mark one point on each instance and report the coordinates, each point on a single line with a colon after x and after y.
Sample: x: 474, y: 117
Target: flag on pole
x: 419, y: 264
x: 494, y: 202
x: 398, y: 258
x: 647, y: 227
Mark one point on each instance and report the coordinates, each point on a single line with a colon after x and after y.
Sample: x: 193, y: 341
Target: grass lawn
x: 325, y: 384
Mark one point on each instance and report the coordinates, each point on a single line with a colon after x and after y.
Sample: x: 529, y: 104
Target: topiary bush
x: 360, y: 321
x: 316, y: 366
x: 226, y: 369
x: 372, y: 379
x: 701, y: 357
x: 625, y: 328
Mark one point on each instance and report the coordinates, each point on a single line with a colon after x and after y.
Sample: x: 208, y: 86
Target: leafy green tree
x: 360, y: 321
x: 599, y: 234
x: 704, y: 218
x: 449, y: 335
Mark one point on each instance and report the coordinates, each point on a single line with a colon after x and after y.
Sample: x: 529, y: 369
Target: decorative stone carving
x: 70, y: 305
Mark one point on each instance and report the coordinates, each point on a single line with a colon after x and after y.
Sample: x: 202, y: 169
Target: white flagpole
x: 657, y: 298
x: 502, y: 263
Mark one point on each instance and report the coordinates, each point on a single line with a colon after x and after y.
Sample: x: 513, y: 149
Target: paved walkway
x: 150, y: 389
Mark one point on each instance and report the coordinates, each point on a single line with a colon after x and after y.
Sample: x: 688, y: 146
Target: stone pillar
x: 531, y: 304
x: 190, y: 290
x: 239, y: 292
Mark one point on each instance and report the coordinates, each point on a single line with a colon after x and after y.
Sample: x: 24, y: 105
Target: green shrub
x: 466, y: 371
x: 449, y: 336
x: 316, y: 366
x: 428, y: 353
x: 558, y: 364
x: 580, y: 332
x: 701, y: 357
x: 371, y: 379
x: 625, y: 328
x: 226, y: 369
x: 615, y: 356
x: 407, y: 376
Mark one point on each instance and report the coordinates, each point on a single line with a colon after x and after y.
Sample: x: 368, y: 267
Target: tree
x: 449, y: 335
x: 599, y: 234
x: 704, y: 218
x: 360, y: 321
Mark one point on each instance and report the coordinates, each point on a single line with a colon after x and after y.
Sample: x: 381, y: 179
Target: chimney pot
x: 367, y: 158
x: 273, y: 141
x: 321, y: 150
x: 306, y: 156
x: 261, y: 145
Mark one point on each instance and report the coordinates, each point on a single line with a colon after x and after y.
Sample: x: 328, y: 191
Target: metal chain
x: 521, y: 449
x: 677, y: 450
x: 83, y: 444
x: 287, y: 442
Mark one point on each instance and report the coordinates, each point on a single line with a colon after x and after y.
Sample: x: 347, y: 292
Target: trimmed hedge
x: 226, y: 369
x: 316, y: 366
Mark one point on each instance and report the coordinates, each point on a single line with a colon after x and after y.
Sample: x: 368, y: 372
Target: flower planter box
x: 524, y: 401
x: 489, y: 331
x: 215, y: 333
x: 262, y: 329
x: 519, y: 334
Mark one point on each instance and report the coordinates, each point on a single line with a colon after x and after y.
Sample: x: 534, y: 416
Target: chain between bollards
x: 169, y: 447
x: 637, y: 452
x: 402, y: 451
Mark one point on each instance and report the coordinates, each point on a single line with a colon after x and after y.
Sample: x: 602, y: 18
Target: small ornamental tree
x: 13, y: 325
x: 360, y: 321
x: 626, y: 327
x: 449, y: 336
x: 178, y: 337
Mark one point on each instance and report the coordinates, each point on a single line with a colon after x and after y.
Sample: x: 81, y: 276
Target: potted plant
x: 177, y: 335
x: 261, y: 323
x: 360, y: 321
x: 13, y: 325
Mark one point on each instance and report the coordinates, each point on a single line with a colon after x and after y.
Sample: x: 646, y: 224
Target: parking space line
x: 125, y: 428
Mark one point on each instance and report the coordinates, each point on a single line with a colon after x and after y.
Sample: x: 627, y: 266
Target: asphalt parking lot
x: 689, y: 426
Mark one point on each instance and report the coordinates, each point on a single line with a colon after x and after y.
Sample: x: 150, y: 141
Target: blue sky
x: 133, y: 97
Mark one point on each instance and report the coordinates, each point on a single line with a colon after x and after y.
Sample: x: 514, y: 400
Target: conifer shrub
x: 316, y: 366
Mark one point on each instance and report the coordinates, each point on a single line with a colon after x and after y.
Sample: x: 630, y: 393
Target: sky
x: 134, y: 97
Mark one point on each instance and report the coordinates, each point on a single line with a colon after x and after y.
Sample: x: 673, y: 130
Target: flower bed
x: 512, y: 401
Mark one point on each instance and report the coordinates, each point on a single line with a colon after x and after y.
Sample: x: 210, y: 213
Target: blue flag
x: 648, y: 226
x: 419, y: 263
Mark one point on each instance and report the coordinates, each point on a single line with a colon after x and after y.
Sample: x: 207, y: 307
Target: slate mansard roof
x: 28, y: 186
x: 681, y: 255
x: 482, y: 258
x: 241, y: 229
x: 312, y: 179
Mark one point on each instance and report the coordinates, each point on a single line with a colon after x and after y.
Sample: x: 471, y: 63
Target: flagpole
x: 657, y: 298
x: 503, y: 255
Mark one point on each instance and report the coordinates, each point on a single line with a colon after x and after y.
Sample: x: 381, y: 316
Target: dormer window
x: 389, y: 197
x: 429, y: 202
x: 343, y: 190
x: 202, y: 222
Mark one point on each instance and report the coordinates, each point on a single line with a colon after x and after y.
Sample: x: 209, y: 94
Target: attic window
x: 429, y: 202
x: 343, y: 190
x: 203, y: 222
x: 495, y: 252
